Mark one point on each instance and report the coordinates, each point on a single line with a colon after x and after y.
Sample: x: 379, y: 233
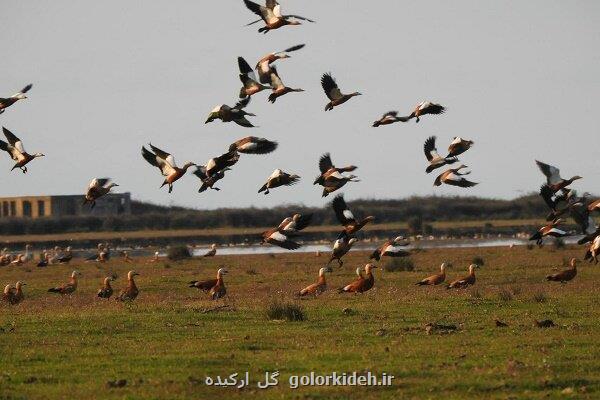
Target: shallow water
x: 423, y: 244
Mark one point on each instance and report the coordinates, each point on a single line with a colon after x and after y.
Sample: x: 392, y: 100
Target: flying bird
x: 279, y: 178
x: 594, y: 251
x: 280, y: 238
x: 553, y: 178
x: 14, y: 147
x: 316, y: 288
x: 435, y: 160
x: 566, y: 275
x: 131, y: 291
x: 391, y: 248
x: 459, y: 146
x: 389, y: 118
x: 253, y: 145
x: 232, y: 114
x: 97, y: 188
x: 208, y: 181
x: 454, y: 177
x: 9, y: 101
x: 250, y: 84
x: 270, y: 13
x: 332, y: 178
x: 362, y: 284
x: 466, y: 281
x: 345, y: 216
x: 332, y: 91
x: 294, y: 224
x: 263, y: 67
x: 165, y: 162
x: 221, y: 162
x: 548, y: 230
x: 214, y: 287
x: 435, y: 279
x: 341, y: 247
x: 424, y: 108
x: 278, y: 88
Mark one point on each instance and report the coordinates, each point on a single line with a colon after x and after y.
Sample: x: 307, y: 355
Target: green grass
x: 171, y: 337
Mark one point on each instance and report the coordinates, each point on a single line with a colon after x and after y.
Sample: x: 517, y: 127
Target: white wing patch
x: 278, y: 237
x: 275, y: 173
x: 348, y: 214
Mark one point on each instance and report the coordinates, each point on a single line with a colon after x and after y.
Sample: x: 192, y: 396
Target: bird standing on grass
x: 67, y: 288
x: 131, y: 291
x: 316, y: 288
x: 362, y: 284
x: 465, y: 282
x: 434, y: 279
x: 566, y: 275
x: 214, y: 287
x: 106, y: 290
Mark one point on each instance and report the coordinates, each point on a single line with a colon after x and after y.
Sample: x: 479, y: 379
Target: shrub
x: 530, y: 246
x: 177, y: 253
x: 478, y: 260
x: 558, y: 244
x: 415, y: 224
x: 505, y: 295
x: 285, y: 311
x: 540, y: 297
x: 399, y: 264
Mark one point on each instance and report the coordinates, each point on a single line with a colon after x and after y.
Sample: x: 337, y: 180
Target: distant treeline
x: 414, y: 210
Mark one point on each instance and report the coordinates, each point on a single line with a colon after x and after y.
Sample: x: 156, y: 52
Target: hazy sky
x: 520, y: 78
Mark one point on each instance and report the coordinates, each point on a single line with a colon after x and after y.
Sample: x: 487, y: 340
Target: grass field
x: 168, y: 340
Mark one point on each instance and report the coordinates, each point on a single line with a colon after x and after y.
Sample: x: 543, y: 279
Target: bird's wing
x: 242, y: 103
x: 290, y: 49
x: 255, y: 8
x: 457, y: 180
x: 26, y: 88
x: 331, y: 89
x: 546, y: 194
x: 246, y: 69
x: 200, y: 172
x: 298, y: 17
x: 275, y: 79
x: 13, y: 140
x: 429, y: 148
x: 342, y: 212
x: 325, y: 163
x: 552, y: 173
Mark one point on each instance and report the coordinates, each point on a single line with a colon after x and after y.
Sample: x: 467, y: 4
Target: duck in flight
x: 97, y: 188
x: 553, y: 178
x: 278, y: 87
x: 333, y: 92
x: 263, y: 66
x: 454, y: 177
x: 165, y: 162
x: 279, y: 178
x: 232, y: 114
x: 251, y: 84
x: 435, y: 160
x: 332, y: 178
x: 9, y: 101
x: 270, y: 13
x: 14, y: 147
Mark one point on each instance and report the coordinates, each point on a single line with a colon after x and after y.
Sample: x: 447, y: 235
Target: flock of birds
x: 265, y: 77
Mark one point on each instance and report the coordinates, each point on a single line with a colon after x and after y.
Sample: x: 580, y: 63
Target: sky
x: 518, y: 78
